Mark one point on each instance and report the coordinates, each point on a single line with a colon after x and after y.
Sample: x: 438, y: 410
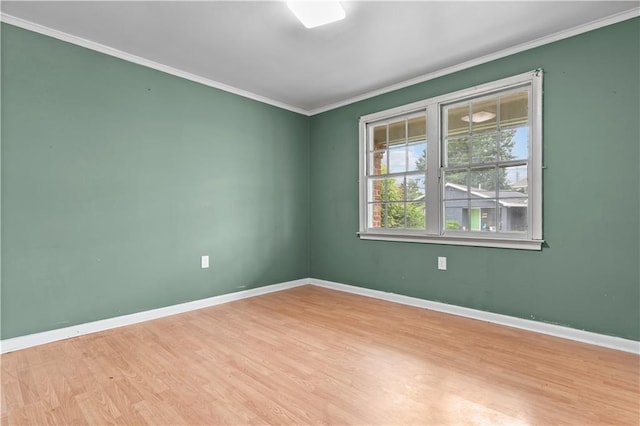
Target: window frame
x: 433, y: 107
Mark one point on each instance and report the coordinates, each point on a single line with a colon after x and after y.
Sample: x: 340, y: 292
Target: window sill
x: 456, y: 241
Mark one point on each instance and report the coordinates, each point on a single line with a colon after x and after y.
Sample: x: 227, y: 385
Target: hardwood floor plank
x: 310, y: 355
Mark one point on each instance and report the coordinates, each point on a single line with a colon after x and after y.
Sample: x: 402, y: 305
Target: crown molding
x: 590, y: 26
x: 79, y: 41
x: 593, y: 25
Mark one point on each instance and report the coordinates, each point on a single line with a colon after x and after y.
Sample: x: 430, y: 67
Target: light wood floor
x: 316, y: 356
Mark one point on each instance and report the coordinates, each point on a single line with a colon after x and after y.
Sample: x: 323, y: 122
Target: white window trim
x: 434, y: 234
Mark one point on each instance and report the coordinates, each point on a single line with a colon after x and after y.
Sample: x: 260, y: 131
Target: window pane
x: 395, y: 189
x: 513, y: 216
x: 398, y: 159
x: 455, y: 123
x: 483, y: 181
x: 379, y: 138
x: 514, y: 109
x: 513, y: 179
x: 418, y: 129
x: 415, y: 188
x: 484, y: 148
x: 457, y: 152
x: 394, y: 215
x: 482, y: 215
x: 397, y: 133
x: 417, y: 156
x: 377, y: 191
x: 483, y: 115
x: 514, y: 144
x: 456, y: 216
x: 377, y: 163
x: 375, y: 216
x: 416, y: 215
x: 456, y: 185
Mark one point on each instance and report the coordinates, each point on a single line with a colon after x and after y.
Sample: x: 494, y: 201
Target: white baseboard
x: 23, y: 342
x: 611, y: 342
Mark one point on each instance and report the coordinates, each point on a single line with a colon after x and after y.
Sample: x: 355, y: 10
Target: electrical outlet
x: 442, y: 263
x: 204, y: 262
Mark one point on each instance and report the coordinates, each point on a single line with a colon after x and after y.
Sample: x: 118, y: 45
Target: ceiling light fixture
x: 479, y: 117
x: 315, y: 13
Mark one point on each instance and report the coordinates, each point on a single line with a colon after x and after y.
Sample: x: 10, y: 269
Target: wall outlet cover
x: 442, y: 263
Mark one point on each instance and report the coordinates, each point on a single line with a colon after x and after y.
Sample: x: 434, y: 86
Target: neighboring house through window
x: 463, y: 168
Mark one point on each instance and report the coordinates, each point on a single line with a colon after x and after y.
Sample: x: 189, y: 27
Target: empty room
x: 355, y: 212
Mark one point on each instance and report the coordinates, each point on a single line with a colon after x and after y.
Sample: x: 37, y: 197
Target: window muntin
x: 463, y: 168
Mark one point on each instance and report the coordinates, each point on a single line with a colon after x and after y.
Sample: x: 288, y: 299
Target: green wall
x: 116, y: 178
x: 587, y: 274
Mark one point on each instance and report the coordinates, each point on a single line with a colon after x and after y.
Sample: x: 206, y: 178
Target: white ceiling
x: 260, y: 47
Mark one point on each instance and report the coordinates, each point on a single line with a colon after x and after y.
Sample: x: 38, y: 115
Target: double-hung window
x: 462, y: 168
